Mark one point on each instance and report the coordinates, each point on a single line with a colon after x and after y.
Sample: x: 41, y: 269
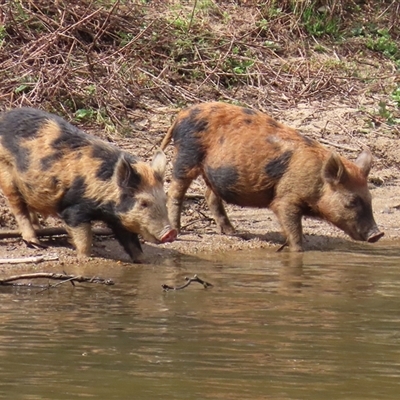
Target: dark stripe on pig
x: 108, y: 159
x: 126, y: 202
x: 223, y: 180
x: 277, y: 167
x: 75, y: 208
x: 18, y: 124
x: 74, y: 194
x: 188, y: 141
x: 47, y: 162
x: 22, y: 158
x: 71, y: 138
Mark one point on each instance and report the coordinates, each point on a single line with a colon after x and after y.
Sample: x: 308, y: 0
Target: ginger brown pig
x: 50, y: 167
x: 249, y: 159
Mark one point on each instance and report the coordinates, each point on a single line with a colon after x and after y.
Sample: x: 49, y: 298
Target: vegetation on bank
x: 94, y: 61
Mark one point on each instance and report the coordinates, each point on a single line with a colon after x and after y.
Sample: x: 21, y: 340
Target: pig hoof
x: 227, y: 230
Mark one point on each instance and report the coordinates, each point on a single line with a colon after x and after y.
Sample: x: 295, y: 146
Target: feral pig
x: 49, y: 166
x: 249, y: 159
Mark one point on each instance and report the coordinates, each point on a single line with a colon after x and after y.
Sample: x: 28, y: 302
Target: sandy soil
x: 256, y: 228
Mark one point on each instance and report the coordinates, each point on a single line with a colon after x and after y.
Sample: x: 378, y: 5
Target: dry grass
x: 97, y: 61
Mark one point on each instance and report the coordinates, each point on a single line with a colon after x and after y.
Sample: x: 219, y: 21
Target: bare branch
x: 188, y: 282
x: 52, y: 275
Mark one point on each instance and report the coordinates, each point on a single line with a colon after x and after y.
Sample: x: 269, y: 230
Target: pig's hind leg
x: 19, y: 208
x: 217, y: 209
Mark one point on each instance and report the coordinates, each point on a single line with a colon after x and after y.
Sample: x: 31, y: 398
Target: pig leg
x: 289, y: 216
x: 176, y: 194
x: 218, y: 212
x: 81, y: 236
x: 18, y: 208
x: 129, y: 241
x: 34, y: 219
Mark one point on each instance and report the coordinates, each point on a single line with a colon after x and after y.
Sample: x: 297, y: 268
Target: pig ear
x: 364, y: 162
x: 159, y: 163
x: 126, y: 176
x: 334, y: 172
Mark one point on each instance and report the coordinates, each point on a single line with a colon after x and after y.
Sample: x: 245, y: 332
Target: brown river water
x: 319, y: 325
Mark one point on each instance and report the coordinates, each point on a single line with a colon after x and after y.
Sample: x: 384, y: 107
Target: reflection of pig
x: 249, y: 159
x: 51, y: 167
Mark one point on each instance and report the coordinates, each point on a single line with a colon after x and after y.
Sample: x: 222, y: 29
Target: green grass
x: 319, y: 23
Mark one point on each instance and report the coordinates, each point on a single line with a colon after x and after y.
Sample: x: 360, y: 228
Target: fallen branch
x: 33, y: 259
x: 10, y: 281
x: 189, y: 281
x: 7, y: 234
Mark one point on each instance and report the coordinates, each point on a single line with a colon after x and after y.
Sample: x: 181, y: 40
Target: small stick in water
x: 188, y: 282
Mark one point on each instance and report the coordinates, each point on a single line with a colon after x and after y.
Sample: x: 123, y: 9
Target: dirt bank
x: 256, y: 228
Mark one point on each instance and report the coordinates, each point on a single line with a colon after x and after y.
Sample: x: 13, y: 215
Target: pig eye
x: 143, y: 204
x: 355, y: 203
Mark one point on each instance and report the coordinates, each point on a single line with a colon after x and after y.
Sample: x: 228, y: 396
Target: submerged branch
x: 10, y: 281
x: 188, y: 282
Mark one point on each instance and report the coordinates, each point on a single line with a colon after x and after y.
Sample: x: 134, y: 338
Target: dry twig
x: 25, y: 260
x: 188, y: 282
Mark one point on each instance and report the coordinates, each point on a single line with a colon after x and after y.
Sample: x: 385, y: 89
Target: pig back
x: 242, y: 154
x: 47, y: 156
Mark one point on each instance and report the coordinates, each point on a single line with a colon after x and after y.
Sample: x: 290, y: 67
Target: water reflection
x: 275, y: 326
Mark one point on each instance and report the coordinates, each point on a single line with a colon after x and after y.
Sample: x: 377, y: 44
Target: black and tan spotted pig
x: 50, y: 167
x: 249, y: 159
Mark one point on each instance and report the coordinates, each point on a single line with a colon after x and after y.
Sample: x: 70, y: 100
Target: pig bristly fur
x: 249, y: 159
x: 50, y: 167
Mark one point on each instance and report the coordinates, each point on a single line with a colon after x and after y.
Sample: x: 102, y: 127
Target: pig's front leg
x: 129, y: 241
x: 81, y: 236
x: 218, y: 211
x: 78, y: 225
x: 289, y: 216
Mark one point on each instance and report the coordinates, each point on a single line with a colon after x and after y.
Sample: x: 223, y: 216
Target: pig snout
x: 371, y: 235
x: 168, y: 235
x: 374, y: 235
